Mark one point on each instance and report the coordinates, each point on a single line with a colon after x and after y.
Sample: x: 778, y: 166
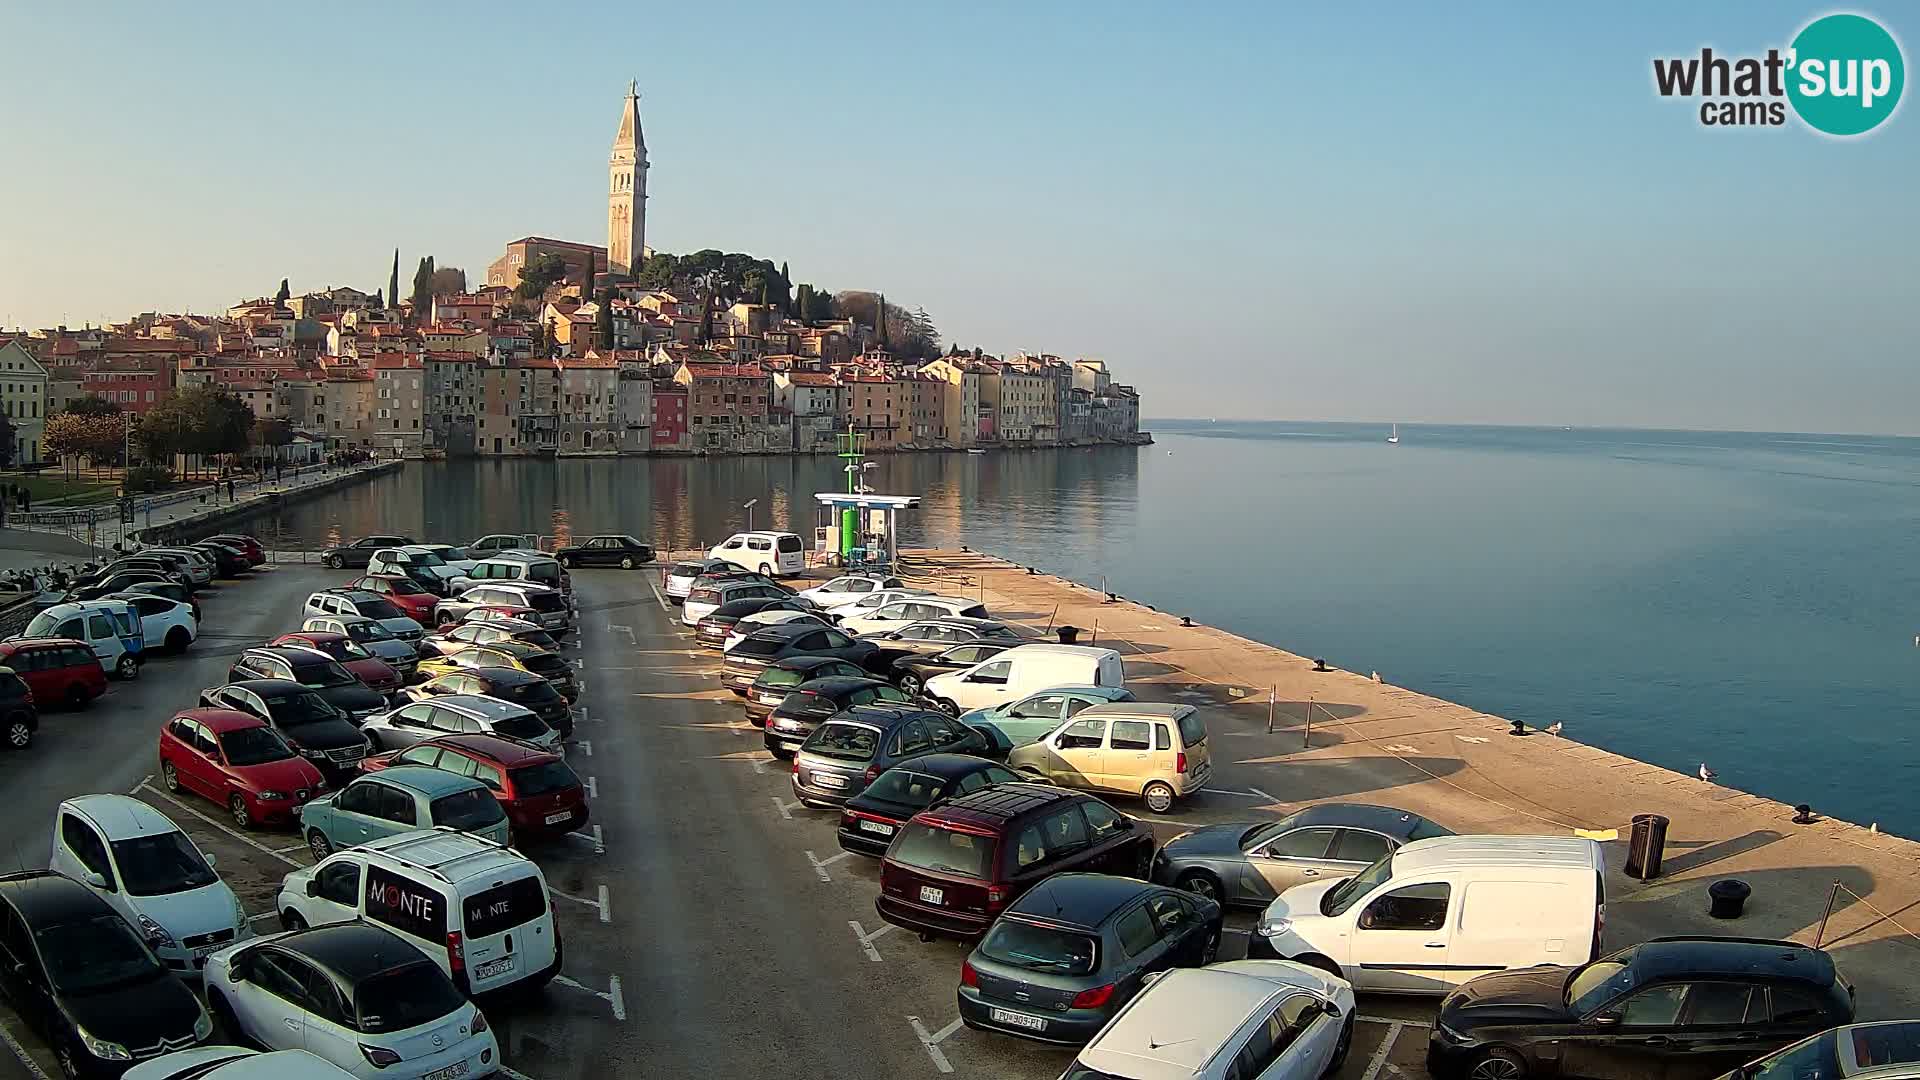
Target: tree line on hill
x: 197, y: 427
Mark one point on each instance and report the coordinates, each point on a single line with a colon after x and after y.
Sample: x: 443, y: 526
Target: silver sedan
x: 1252, y: 862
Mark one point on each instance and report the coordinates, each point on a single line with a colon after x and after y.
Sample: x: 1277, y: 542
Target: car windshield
x: 544, y: 664
x: 404, y: 587
x: 525, y: 726
x: 1598, y: 983
x: 931, y: 847
x: 254, y: 746
x: 1817, y: 1059
x: 325, y: 675
x: 1342, y: 896
x: 474, y: 808
x: 94, y: 955
x: 546, y: 602
x: 376, y: 608
x: 907, y: 787
x: 1427, y: 830
x: 544, y: 779
x: 776, y: 677
x: 292, y: 710
x: 703, y: 596
x: 425, y: 558
x: 160, y: 864
x: 41, y: 625
x: 405, y: 998
x: 1265, y: 831
x: 450, y: 553
x: 369, y: 631
x: 842, y: 742
x: 1039, y: 948
x: 758, y: 645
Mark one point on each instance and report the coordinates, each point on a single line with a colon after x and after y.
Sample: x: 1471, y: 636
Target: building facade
x: 23, y: 394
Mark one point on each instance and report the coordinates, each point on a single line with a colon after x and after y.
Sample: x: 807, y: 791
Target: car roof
x: 749, y: 605
x: 808, y: 662
x: 315, y: 635
x: 1041, y: 648
x: 121, y: 817
x: 989, y: 808
x: 450, y: 854
x: 490, y: 708
x: 886, y: 715
x: 1382, y: 819
x: 835, y: 685
x: 1133, y: 710
x: 1892, y: 1048
x: 1745, y: 957
x: 499, y: 676
x: 1180, y: 1024
x: 508, y: 752
x: 1080, y: 900
x: 17, y: 643
x: 44, y: 898
x: 432, y: 783
x: 1425, y: 856
x: 293, y: 654
x: 519, y: 650
x: 267, y: 687
x: 781, y: 631
x: 946, y: 766
x: 1111, y: 693
x: 351, y: 951
x: 968, y: 621
x: 221, y: 721
x: 357, y: 595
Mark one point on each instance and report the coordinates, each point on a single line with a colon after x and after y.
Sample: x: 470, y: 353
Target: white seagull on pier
x: 1554, y: 728
x: 1706, y: 773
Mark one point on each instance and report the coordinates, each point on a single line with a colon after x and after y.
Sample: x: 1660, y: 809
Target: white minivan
x: 479, y: 909
x: 1022, y: 670
x: 773, y: 554
x: 1437, y: 912
x: 110, y: 627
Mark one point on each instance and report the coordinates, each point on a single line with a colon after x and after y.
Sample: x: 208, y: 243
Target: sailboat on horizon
x: 1394, y: 438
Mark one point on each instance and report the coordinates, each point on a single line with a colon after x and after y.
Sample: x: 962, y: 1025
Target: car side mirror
x: 213, y: 861
x: 1607, y: 1020
x: 96, y: 879
x: 1331, y: 1008
x: 20, y: 971
x: 1148, y: 979
x: 313, y: 887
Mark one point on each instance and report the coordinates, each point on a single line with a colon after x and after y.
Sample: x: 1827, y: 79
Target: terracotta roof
x: 725, y: 371
x: 606, y: 362
x: 393, y: 362
x: 452, y: 357
x: 812, y: 378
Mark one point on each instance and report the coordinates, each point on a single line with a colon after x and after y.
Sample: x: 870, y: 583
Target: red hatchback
x: 376, y: 673
x: 59, y: 671
x: 540, y: 792
x: 414, y: 602
x: 238, y: 761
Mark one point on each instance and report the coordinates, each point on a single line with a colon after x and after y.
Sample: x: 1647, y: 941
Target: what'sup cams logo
x: 1842, y: 76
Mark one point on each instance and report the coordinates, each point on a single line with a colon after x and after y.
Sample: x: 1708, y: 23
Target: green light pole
x: 850, y: 442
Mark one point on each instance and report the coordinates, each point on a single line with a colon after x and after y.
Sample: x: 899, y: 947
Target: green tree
x: 7, y: 447
x: 393, y: 281
x: 92, y: 405
x: 786, y: 302
x: 603, y: 322
x: 449, y: 281
x: 423, y: 289
x: 659, y: 272
x: 820, y: 305
x: 282, y: 296
x: 274, y: 433
x: 539, y: 274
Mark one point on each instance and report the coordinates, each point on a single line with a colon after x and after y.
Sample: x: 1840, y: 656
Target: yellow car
x: 506, y: 654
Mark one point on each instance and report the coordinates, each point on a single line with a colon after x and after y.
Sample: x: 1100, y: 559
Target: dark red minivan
x: 59, y: 671
x: 953, y: 869
x: 540, y: 793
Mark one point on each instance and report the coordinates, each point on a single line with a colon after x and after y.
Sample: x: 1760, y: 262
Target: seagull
x: 1706, y: 773
x: 1554, y: 728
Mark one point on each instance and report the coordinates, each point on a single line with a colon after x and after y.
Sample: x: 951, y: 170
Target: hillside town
x: 576, y: 349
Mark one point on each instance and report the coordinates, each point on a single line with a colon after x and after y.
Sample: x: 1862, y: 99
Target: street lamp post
x: 748, y: 507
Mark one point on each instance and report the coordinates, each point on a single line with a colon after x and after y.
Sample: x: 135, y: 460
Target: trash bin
x: 1647, y: 847
x: 1728, y: 898
x: 1068, y: 634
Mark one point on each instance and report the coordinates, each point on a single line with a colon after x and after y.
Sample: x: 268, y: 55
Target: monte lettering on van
x: 403, y: 905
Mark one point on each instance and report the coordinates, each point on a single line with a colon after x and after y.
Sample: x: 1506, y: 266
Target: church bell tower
x: 627, y: 190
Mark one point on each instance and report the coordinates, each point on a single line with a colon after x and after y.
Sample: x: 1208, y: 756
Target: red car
x: 59, y: 671
x: 376, y: 673
x: 236, y: 760
x: 406, y: 594
x: 256, y: 554
x: 538, y: 790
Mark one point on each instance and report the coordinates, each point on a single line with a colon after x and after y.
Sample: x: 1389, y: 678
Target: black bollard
x: 1728, y: 898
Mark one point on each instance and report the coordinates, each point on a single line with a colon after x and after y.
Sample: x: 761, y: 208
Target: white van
x: 773, y: 554
x: 111, y: 628
x: 479, y: 909
x: 1437, y: 912
x: 1020, y: 671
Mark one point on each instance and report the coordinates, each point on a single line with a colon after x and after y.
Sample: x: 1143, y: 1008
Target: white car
x: 774, y: 554
x: 355, y: 995
x: 910, y: 610
x: 427, y: 561
x: 871, y: 602
x: 145, y: 868
x: 164, y: 624
x: 677, y: 580
x: 235, y: 1063
x: 847, y: 589
x: 1246, y: 1019
x: 361, y: 602
x: 761, y: 619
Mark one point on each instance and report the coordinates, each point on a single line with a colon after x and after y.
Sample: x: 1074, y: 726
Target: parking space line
x: 867, y: 940
x: 656, y: 594
x: 586, y: 746
x: 1386, y: 1047
x: 1250, y: 793
x: 606, y: 908
x: 785, y: 809
x: 1421, y: 1024
x: 593, y: 787
x: 20, y: 1052
x: 932, y: 1042
x: 263, y: 915
x: 235, y: 833
x: 820, y: 865
x: 612, y: 995
x: 135, y: 789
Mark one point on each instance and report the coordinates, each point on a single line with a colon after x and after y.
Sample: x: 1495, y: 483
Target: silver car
x: 1249, y: 862
x: 677, y: 580
x: 372, y: 636
x: 457, y: 714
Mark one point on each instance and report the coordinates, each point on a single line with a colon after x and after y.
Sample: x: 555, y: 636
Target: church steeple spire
x: 627, y: 189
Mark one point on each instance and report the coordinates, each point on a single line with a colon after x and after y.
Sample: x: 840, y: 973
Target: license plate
x: 555, y: 819
x: 1019, y: 1020
x: 205, y: 951
x: 931, y: 895
x: 788, y: 725
x: 493, y: 967
x: 772, y: 699
x: 829, y: 780
x: 457, y: 1069
x: 880, y: 827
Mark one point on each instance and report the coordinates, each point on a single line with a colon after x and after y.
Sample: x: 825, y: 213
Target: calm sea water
x: 1746, y: 600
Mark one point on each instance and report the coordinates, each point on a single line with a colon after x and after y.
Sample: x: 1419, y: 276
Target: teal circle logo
x: 1846, y: 73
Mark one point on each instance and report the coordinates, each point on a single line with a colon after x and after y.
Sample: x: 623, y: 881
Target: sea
x: 1738, y: 599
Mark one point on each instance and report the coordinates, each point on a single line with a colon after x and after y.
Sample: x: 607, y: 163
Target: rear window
x: 789, y: 543
x: 407, y: 998
x: 531, y: 694
x: 544, y: 779
x: 376, y: 608
x: 776, y: 677
x: 522, y: 727
x: 546, y: 572
x: 1193, y: 730
x: 906, y: 787
x: 759, y: 646
x: 974, y: 612
x: 687, y: 569
x: 474, y: 808
x: 405, y: 905
x: 703, y: 596
x: 843, y: 742
x: 544, y: 664
x: 503, y: 907
x: 930, y: 847
x: 1039, y: 948
x: 546, y: 602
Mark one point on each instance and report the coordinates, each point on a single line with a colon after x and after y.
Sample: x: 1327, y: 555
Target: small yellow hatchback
x: 1156, y: 751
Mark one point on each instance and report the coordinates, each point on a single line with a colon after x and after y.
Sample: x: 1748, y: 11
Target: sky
x: 1475, y: 213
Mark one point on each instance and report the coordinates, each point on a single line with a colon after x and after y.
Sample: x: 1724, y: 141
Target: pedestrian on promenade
x: 230, y: 497
x: 26, y: 499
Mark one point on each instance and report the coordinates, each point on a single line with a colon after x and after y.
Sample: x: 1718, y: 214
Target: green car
x: 400, y: 800
x: 1027, y: 720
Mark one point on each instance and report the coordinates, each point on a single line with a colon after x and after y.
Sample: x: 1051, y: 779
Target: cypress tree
x: 393, y: 281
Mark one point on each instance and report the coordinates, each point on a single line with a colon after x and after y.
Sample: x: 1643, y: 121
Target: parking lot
x: 713, y: 927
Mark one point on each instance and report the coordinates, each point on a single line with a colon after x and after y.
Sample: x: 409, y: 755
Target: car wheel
x: 77, y: 696
x: 318, y: 843
x: 229, y: 1023
x: 910, y: 685
x: 1200, y: 883
x: 334, y: 562
x: 178, y: 639
x: 946, y: 706
x: 1158, y: 796
x: 766, y: 571
x: 1341, y: 1048
x: 170, y: 776
x: 19, y: 732
x: 626, y: 562
x: 566, y: 561
x: 243, y: 817
x: 1211, y: 950
x: 1498, y: 1064
x: 127, y: 668
x: 292, y: 921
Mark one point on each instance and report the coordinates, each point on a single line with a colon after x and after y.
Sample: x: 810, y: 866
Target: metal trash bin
x: 1068, y: 634
x: 1727, y: 898
x: 1646, y: 848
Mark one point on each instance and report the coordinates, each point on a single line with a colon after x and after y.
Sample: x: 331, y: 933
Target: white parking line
x: 586, y: 746
x: 627, y: 630
x: 932, y: 1042
x: 867, y: 940
x: 20, y: 1052
x: 613, y: 995
x: 263, y: 915
x: 235, y: 833
x: 820, y: 865
x: 1386, y: 1047
x: 135, y: 789
x: 1250, y: 793
x: 656, y: 594
x: 596, y: 841
x: 786, y: 809
x: 593, y: 787
x: 606, y: 906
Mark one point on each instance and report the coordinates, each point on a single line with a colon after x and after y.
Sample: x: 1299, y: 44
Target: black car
x: 321, y: 733
x: 85, y: 981
x: 1072, y: 951
x: 523, y: 688
x: 869, y: 819
x: 622, y: 551
x: 19, y: 719
x: 911, y: 672
x: 746, y: 660
x: 712, y: 631
x: 359, y: 553
x: 172, y: 590
x: 782, y: 677
x: 812, y: 703
x: 1679, y: 1008
x: 853, y: 749
x: 314, y: 670
x: 120, y: 581
x: 228, y: 561
x: 550, y: 666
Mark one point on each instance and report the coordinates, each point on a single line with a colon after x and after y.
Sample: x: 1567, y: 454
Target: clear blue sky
x: 1476, y: 213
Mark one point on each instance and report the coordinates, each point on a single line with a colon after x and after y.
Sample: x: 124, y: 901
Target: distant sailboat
x: 1395, y: 437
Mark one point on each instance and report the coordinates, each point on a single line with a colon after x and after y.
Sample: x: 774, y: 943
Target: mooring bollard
x: 1728, y: 898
